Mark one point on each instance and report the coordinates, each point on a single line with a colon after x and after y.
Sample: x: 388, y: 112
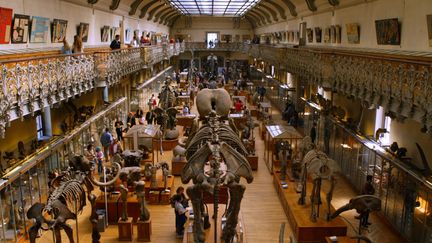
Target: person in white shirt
x: 180, y: 213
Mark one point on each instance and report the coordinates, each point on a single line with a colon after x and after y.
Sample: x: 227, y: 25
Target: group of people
x: 135, y: 42
x: 77, y: 46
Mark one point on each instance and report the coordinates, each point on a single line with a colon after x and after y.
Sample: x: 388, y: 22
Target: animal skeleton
x: 68, y: 199
x: 319, y: 166
x: 213, y: 162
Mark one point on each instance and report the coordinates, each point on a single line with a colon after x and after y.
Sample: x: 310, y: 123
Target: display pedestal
x: 253, y: 161
x: 153, y: 197
x: 165, y: 197
x: 306, y: 231
x: 125, y: 229
x: 177, y: 166
x: 342, y: 239
x: 166, y: 144
x: 144, y: 230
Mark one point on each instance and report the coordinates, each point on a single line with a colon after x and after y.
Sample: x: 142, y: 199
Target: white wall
x: 201, y: 25
x: 75, y: 14
x: 411, y: 15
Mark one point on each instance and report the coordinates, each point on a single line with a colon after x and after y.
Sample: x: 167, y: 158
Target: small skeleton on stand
x: 123, y: 195
x: 140, y: 191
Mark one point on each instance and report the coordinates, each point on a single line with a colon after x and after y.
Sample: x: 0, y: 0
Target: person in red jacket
x: 238, y: 106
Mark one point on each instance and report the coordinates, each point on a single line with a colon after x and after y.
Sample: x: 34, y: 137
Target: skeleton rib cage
x: 71, y: 193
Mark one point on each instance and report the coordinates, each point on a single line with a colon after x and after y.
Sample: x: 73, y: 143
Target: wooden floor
x: 262, y: 212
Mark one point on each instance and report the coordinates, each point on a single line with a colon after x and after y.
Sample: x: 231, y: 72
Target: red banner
x: 5, y: 25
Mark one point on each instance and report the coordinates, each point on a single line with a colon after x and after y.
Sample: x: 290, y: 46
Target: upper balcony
x: 29, y: 84
x: 399, y: 81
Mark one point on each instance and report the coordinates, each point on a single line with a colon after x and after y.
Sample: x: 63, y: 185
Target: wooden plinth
x: 177, y: 166
x: 342, y: 239
x: 153, y: 197
x: 166, y: 144
x: 125, y: 229
x: 299, y: 215
x: 144, y: 230
x: 164, y: 198
x: 253, y: 161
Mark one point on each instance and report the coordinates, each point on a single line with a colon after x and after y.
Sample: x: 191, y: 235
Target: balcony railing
x: 399, y: 81
x: 28, y: 85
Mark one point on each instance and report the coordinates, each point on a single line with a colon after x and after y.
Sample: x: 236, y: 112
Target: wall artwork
x: 114, y: 31
x: 327, y: 35
x: 353, y: 33
x: 338, y: 34
x: 136, y: 34
x: 5, y: 25
x: 333, y: 34
x: 429, y: 26
x: 318, y: 34
x: 128, y: 35
x: 83, y: 31
x: 20, y: 28
x: 226, y: 38
x: 309, y: 34
x: 237, y: 38
x: 105, y: 32
x: 296, y: 36
x: 388, y: 31
x: 59, y: 28
x: 39, y: 29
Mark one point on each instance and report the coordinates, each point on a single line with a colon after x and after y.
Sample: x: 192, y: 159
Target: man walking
x: 106, y: 140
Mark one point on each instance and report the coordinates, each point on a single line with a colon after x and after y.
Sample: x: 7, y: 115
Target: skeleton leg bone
x: 236, y: 194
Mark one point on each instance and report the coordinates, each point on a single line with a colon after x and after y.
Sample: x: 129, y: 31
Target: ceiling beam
x: 333, y: 2
x: 153, y: 11
x: 171, y: 23
x: 291, y: 7
x: 271, y: 11
x: 134, y: 6
x: 267, y: 15
x: 159, y: 13
x: 255, y: 18
x: 114, y: 4
x: 278, y: 7
x: 258, y: 15
x: 311, y: 5
x: 92, y: 1
x: 251, y: 21
x: 164, y: 15
x: 166, y: 20
x: 146, y: 7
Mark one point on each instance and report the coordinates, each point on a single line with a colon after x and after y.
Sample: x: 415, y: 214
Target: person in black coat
x: 149, y: 117
x: 116, y: 44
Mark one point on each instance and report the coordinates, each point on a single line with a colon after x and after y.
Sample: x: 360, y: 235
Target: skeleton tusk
x: 97, y: 183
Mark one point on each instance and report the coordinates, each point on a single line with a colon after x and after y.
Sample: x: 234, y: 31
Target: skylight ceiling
x: 227, y: 8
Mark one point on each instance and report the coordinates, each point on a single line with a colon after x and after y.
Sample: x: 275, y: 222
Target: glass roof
x: 214, y: 7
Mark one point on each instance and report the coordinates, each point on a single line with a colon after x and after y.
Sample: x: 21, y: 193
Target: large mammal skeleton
x: 216, y: 157
x: 67, y: 200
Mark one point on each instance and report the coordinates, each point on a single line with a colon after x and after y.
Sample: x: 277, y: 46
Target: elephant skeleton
x: 167, y: 97
x: 212, y: 164
x: 318, y: 166
x: 67, y: 200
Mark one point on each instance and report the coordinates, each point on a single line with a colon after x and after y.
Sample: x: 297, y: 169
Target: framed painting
x: 333, y: 34
x: 353, y: 33
x: 20, y: 28
x: 136, y: 34
x: 83, y: 31
x: 59, y: 28
x: 226, y: 38
x: 388, y: 31
x: 318, y: 34
x: 237, y: 38
x: 309, y: 34
x: 429, y: 28
x: 105, y: 32
x: 114, y: 31
x: 128, y: 35
x: 338, y: 33
x: 296, y: 36
x: 5, y: 25
x: 39, y: 29
x: 327, y: 35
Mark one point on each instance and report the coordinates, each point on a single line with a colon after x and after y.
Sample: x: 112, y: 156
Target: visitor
x: 142, y: 40
x: 261, y: 91
x: 66, y: 49
x: 115, y: 148
x: 150, y: 117
x: 139, y: 113
x: 368, y: 189
x: 180, y: 213
x: 77, y: 45
x: 154, y: 102
x: 119, y: 130
x: 116, y: 44
x: 90, y: 154
x: 100, y: 158
x: 313, y: 132
x: 134, y: 42
x: 238, y: 106
x: 131, y: 120
x: 185, y: 110
x: 106, y: 140
x: 184, y: 200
